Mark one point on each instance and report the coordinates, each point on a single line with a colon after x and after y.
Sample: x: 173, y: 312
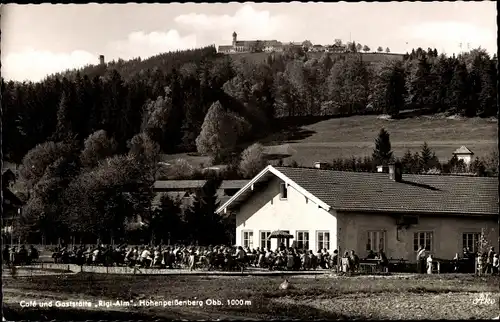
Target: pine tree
x: 394, y: 98
x: 166, y: 222
x: 407, y: 161
x: 458, y: 91
x: 193, y: 222
x: 382, y: 154
x: 487, y: 97
x: 212, y: 222
x: 64, y: 127
x: 425, y: 157
x: 418, y: 83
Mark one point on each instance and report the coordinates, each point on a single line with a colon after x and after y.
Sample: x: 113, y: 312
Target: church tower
x: 235, y: 36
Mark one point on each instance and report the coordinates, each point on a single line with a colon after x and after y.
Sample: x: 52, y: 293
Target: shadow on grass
x: 276, y: 156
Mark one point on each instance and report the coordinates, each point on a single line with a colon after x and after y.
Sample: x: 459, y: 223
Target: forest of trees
x: 89, y: 140
x: 169, y: 95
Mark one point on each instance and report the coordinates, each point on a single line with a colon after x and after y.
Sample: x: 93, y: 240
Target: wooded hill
x: 169, y: 95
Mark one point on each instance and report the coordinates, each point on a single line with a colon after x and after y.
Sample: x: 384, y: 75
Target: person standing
x: 191, y: 260
x: 421, y: 260
x: 354, y: 261
x: 384, y: 262
x: 489, y: 261
x: 346, y: 263
x: 334, y: 261
x: 429, y: 264
x: 456, y: 263
x: 495, y: 264
x: 13, y: 255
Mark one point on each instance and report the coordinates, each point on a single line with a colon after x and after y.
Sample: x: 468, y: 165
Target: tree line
x: 95, y: 193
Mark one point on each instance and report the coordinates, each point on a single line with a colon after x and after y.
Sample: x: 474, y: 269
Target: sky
x: 38, y: 40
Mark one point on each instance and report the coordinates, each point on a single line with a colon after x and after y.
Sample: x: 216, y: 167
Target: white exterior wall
x: 265, y: 211
x: 447, y: 233
x: 466, y: 157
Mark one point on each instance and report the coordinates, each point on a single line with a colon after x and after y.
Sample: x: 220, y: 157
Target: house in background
x: 182, y: 190
x: 463, y: 153
x: 365, y: 211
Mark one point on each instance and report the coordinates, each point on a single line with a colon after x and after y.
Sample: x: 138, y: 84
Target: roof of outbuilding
x: 362, y: 191
x: 179, y: 184
x: 233, y: 184
x: 463, y: 150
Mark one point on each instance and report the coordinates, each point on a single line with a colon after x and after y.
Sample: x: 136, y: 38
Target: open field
x: 323, y: 297
x: 355, y: 136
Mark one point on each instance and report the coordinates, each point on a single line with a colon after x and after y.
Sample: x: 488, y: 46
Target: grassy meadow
x: 355, y: 136
x: 321, y: 297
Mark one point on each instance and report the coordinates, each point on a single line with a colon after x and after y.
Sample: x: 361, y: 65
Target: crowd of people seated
x: 195, y: 257
x: 212, y: 257
x: 21, y: 256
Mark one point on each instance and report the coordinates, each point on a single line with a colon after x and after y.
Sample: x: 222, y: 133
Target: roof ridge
x: 383, y: 173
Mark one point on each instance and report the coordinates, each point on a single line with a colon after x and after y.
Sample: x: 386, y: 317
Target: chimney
x: 396, y: 171
x: 101, y: 59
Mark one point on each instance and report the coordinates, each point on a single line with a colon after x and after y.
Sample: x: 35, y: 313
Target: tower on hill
x: 235, y: 36
x: 101, y: 60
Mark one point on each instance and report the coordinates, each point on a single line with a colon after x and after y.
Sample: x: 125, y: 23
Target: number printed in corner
x: 237, y: 302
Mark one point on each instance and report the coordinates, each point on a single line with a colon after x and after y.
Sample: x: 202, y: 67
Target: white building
x: 463, y: 153
x: 363, y: 211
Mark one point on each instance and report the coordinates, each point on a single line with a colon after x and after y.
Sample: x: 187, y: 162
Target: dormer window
x: 283, y: 190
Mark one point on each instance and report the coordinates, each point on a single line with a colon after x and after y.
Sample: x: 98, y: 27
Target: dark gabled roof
x: 363, y: 191
x: 233, y: 184
x: 179, y: 184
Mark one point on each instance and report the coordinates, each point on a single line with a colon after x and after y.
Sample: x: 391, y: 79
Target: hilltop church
x: 246, y: 46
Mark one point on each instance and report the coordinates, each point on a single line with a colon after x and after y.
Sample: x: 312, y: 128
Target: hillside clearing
x: 355, y: 136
